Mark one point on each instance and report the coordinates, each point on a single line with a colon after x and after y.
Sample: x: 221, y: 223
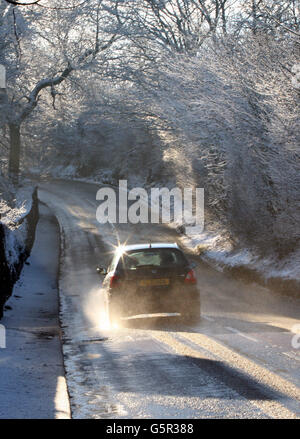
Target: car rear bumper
x: 183, y: 302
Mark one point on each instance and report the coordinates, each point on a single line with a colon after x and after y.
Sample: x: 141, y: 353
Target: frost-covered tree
x: 43, y: 48
x: 233, y: 116
x: 200, y: 92
x: 179, y: 25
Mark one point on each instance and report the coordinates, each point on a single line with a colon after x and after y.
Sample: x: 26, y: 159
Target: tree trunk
x: 254, y: 17
x: 14, y: 153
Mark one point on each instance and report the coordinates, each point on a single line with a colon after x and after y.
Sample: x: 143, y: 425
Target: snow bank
x: 18, y: 218
x: 220, y: 253
x: 16, y: 226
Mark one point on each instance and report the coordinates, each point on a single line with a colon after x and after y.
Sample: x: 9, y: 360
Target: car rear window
x: 163, y: 257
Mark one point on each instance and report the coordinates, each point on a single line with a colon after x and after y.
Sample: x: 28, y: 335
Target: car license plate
x: 154, y: 282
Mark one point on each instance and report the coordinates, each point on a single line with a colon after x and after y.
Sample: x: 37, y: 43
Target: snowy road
x: 238, y: 362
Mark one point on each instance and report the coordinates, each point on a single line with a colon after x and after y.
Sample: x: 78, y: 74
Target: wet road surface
x: 238, y: 362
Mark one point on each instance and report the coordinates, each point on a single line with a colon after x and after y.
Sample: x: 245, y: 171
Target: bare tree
x: 179, y: 25
x: 282, y: 14
x: 77, y: 37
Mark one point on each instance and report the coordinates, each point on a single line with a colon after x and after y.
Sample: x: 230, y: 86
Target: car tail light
x: 114, y: 281
x: 190, y: 278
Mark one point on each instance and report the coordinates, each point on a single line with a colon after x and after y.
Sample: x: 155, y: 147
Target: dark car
x: 150, y: 278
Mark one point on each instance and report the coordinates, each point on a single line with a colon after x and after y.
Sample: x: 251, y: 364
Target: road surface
x: 238, y: 362
x: 32, y: 377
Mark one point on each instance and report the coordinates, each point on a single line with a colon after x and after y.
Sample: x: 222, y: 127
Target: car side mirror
x: 102, y: 271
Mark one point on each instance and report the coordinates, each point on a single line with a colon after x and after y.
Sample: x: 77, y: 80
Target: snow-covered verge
x: 280, y: 274
x: 18, y: 219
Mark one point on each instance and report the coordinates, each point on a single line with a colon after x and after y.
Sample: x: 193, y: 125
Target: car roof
x: 149, y: 245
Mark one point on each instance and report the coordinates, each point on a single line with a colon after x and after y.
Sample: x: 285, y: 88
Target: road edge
x: 63, y: 385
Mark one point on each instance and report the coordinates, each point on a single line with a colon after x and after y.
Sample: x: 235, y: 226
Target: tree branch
x: 52, y: 82
x: 12, y: 2
x: 37, y: 3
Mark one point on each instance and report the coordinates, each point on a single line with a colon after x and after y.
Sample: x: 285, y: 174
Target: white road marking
x: 143, y: 316
x: 210, y: 319
x: 61, y: 401
x: 291, y: 355
x: 240, y: 333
